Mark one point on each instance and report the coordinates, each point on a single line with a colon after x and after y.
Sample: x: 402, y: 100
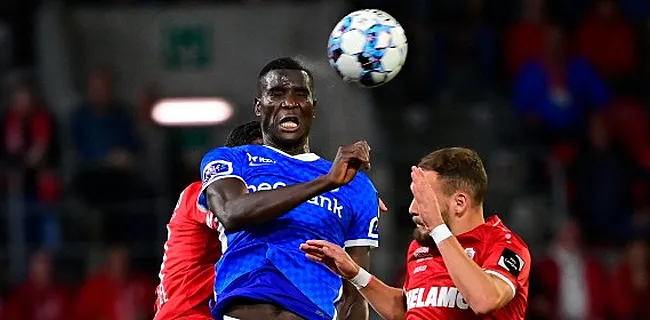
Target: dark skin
x: 288, y: 95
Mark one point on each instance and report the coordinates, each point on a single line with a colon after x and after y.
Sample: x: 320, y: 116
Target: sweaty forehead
x: 285, y: 78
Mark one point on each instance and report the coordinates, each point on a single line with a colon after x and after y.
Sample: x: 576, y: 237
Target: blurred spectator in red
x: 553, y: 94
x: 40, y: 297
x: 116, y: 292
x: 604, y: 175
x: 524, y: 40
x: 572, y: 285
x: 631, y: 283
x: 608, y: 41
x: 629, y: 122
x: 28, y: 145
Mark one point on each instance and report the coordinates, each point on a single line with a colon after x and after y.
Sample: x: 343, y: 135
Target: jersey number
x: 373, y: 229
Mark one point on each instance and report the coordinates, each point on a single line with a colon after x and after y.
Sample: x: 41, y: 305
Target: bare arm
x: 483, y: 292
x: 236, y: 208
x: 353, y: 306
x: 389, y: 302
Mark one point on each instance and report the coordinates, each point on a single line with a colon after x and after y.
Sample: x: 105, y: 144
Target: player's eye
x: 276, y: 93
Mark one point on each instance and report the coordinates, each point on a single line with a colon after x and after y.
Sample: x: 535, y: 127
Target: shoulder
x: 498, y: 233
x: 362, y: 183
x: 192, y: 191
x: 225, y: 152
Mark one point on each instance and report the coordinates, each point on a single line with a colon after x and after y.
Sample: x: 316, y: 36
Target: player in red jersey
x: 459, y: 266
x: 193, y: 247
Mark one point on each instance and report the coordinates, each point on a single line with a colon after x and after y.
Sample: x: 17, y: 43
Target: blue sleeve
x: 221, y: 163
x: 363, y: 230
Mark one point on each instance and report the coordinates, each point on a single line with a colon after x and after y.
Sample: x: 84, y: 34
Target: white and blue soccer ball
x: 367, y: 47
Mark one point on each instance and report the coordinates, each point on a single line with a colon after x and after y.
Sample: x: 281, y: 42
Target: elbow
x: 230, y: 222
x: 485, y: 305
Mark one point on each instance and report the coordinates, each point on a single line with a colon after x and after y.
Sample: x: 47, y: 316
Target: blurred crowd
x: 574, y: 73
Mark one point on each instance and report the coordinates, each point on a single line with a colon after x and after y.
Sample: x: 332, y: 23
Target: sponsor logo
x: 470, y: 253
x: 215, y: 169
x: 437, y: 297
x: 256, y: 161
x: 330, y: 204
x: 512, y: 262
x: 422, y: 252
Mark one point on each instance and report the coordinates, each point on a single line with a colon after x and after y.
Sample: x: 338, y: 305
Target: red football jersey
x: 430, y: 292
x: 187, y: 269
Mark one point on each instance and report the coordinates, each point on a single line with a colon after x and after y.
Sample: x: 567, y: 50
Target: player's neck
x: 468, y: 222
x: 297, y: 149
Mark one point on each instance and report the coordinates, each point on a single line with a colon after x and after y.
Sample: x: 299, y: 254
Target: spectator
x: 40, y: 297
x: 554, y: 94
x: 116, y: 292
x: 471, y: 44
x: 106, y: 145
x: 631, y: 283
x: 524, y: 40
x: 608, y: 41
x: 572, y: 285
x: 604, y: 175
x: 28, y: 147
x: 103, y: 131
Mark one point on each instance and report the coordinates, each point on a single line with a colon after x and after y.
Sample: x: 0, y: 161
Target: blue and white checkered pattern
x: 347, y: 216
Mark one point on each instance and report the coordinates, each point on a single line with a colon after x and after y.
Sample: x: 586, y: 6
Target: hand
x: 428, y: 208
x: 382, y: 206
x: 348, y: 161
x: 333, y: 256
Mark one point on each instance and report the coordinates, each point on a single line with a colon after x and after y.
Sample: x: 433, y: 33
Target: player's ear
x: 257, y: 109
x: 461, y: 201
x: 314, y: 104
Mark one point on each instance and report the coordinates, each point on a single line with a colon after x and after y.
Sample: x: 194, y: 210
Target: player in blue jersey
x: 271, y: 198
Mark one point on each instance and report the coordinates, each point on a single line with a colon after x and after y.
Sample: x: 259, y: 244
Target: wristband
x: 362, y: 279
x: 440, y: 233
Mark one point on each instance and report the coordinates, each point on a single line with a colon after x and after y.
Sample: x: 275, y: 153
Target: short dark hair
x: 244, y: 134
x: 286, y: 63
x: 460, y: 169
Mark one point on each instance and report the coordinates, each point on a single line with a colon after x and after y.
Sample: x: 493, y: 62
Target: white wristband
x: 440, y: 233
x: 362, y: 279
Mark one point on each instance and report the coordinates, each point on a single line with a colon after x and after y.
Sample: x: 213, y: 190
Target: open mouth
x: 289, y: 124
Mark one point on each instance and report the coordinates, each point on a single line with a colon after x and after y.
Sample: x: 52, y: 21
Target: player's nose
x: 291, y: 101
x: 413, y: 208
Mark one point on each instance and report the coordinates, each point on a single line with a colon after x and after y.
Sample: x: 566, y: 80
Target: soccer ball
x: 367, y: 47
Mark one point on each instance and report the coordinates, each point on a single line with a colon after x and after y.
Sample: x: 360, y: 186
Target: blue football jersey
x: 347, y: 216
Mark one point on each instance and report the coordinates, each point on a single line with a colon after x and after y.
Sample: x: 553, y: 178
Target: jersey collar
x: 307, y: 157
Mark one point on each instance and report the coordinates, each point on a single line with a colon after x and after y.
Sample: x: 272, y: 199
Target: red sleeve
x: 188, y: 202
x: 508, y: 259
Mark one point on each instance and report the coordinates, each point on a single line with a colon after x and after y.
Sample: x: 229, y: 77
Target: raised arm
x: 236, y: 208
